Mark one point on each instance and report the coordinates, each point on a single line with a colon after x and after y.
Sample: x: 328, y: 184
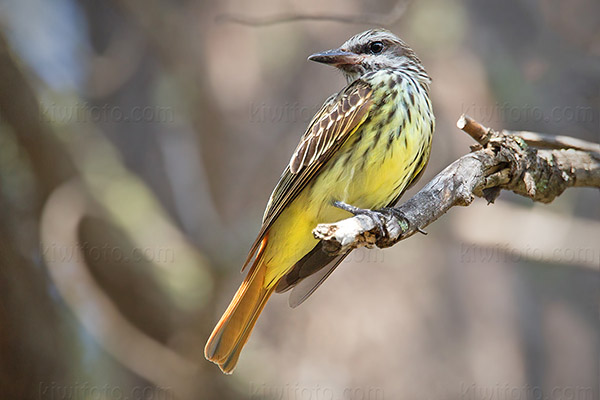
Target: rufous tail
x: 234, y: 328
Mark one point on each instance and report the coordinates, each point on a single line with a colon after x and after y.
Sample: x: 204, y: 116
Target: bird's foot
x: 397, y: 225
x: 376, y: 216
x: 402, y: 220
x: 390, y: 222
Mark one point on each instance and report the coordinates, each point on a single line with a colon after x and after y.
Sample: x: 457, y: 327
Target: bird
x: 361, y: 151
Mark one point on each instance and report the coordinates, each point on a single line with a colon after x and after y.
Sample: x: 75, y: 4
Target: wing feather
x: 339, y: 117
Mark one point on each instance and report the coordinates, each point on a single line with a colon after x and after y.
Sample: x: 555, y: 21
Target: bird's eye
x: 376, y: 47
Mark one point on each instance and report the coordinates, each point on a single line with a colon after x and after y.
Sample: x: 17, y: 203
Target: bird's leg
x: 374, y: 215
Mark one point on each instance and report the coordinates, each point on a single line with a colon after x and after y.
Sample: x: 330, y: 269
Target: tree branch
x: 537, y: 166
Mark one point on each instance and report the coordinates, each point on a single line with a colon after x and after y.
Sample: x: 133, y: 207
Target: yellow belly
x: 369, y: 171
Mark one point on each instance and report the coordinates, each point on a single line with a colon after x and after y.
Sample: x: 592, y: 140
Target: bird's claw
x: 376, y: 216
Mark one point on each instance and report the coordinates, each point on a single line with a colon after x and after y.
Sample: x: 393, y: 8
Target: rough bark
x: 533, y: 165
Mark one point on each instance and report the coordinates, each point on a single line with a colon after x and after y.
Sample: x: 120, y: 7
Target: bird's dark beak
x: 336, y: 57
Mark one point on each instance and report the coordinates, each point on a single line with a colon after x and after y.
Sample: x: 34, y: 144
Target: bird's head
x: 369, y: 51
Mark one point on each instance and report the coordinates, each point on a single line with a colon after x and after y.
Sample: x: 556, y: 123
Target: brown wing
x: 308, y: 274
x: 304, y: 288
x: 337, y: 119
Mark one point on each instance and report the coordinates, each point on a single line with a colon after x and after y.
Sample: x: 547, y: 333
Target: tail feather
x: 234, y: 328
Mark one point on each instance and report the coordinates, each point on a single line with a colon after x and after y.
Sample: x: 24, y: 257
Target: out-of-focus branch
x: 379, y: 19
x: 142, y: 354
x: 20, y: 109
x: 501, y: 160
x: 545, y: 141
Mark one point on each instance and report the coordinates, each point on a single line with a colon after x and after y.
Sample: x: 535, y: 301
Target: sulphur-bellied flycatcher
x: 365, y: 147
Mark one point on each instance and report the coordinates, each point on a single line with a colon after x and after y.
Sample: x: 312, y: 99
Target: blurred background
x: 140, y: 140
